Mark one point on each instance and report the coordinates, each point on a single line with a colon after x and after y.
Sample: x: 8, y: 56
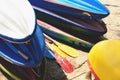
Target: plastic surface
x: 92, y: 9
x: 104, y: 60
x: 71, y: 24
x: 24, y: 54
x: 15, y: 23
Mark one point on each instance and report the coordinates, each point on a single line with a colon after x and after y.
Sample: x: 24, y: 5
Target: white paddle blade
x: 17, y: 19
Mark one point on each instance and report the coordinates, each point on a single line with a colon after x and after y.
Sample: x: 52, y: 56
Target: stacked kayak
x: 73, y: 22
x: 50, y: 29
x: 84, y: 26
x: 62, y: 35
x: 75, y: 17
x: 91, y: 9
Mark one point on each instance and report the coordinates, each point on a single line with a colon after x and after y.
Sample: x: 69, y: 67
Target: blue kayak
x: 79, y: 26
x: 49, y: 54
x: 92, y: 9
x: 24, y: 54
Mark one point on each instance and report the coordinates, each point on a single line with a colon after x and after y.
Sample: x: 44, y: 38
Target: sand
x: 113, y: 20
x: 113, y: 32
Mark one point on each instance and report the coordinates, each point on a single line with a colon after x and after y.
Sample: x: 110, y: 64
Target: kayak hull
x: 80, y: 26
x: 92, y: 9
x: 24, y: 54
x: 63, y: 36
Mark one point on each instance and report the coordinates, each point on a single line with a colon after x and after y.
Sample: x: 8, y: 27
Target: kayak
x: 79, y: 26
x: 28, y: 73
x: 8, y: 74
x: 62, y: 35
x: 17, y: 71
x: 49, y: 54
x: 17, y: 25
x: 24, y: 54
x: 90, y: 9
x: 54, y: 32
x: 21, y: 40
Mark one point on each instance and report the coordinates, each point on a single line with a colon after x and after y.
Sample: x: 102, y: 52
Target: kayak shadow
x: 54, y: 71
x: 50, y: 71
x: 112, y: 5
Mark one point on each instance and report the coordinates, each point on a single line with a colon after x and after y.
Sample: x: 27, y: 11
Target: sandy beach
x: 113, y: 32
x: 113, y: 20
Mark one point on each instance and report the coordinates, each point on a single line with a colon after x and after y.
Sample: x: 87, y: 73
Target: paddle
x: 64, y: 63
x: 54, y: 47
x: 65, y: 48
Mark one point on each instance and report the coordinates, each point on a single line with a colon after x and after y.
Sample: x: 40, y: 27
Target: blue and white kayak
x: 26, y: 54
x: 92, y: 9
x: 21, y: 40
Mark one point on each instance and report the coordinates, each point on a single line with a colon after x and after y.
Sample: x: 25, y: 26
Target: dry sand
x: 113, y: 20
